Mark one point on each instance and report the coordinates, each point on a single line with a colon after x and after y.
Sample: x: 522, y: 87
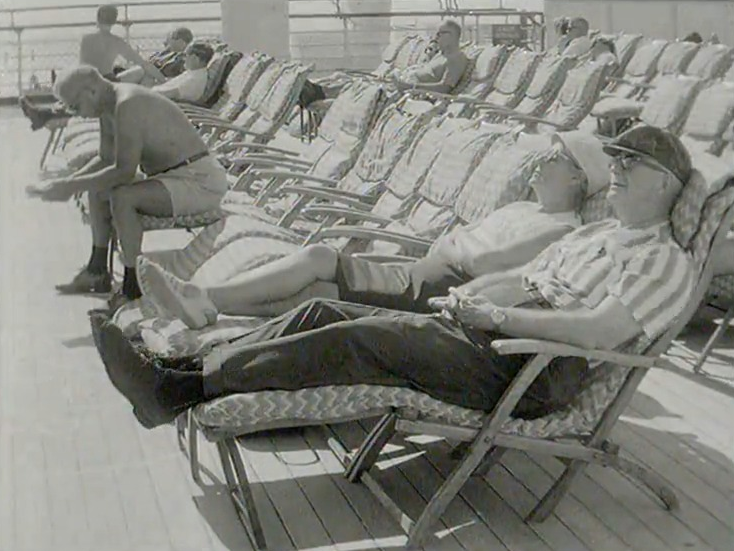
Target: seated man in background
x: 99, y: 49
x: 505, y: 240
x: 598, y: 287
x: 170, y: 61
x: 443, y: 72
x: 139, y: 130
x: 577, y: 41
x: 189, y: 85
x: 603, y: 51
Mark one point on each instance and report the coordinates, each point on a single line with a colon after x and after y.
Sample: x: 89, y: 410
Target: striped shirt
x: 645, y: 269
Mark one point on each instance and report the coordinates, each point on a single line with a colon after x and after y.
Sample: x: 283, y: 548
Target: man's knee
x: 321, y: 261
x: 123, y: 197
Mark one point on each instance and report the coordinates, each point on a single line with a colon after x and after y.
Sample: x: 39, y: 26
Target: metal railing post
x: 127, y: 24
x: 19, y: 32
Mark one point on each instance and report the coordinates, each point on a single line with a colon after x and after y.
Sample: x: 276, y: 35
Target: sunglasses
x: 627, y: 160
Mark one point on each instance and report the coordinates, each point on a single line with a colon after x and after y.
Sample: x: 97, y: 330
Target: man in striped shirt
x: 598, y: 287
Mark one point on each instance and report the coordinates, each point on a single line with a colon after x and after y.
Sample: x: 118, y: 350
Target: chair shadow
x: 79, y: 342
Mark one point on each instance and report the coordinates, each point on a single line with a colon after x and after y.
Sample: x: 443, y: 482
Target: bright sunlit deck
x: 77, y: 472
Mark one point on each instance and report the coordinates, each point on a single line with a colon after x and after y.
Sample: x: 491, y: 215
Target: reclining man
x: 444, y: 70
x: 191, y: 84
x: 170, y: 61
x: 577, y: 42
x: 506, y: 239
x: 138, y: 129
x: 100, y: 50
x: 598, y: 287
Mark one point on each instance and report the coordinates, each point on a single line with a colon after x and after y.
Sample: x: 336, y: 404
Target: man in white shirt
x: 189, y: 85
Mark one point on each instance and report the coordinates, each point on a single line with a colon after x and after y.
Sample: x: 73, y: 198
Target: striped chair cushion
x: 217, y: 71
x: 670, y: 102
x: 261, y: 88
x: 676, y: 57
x: 280, y: 100
x: 459, y: 155
x: 711, y: 61
x: 353, y: 107
x: 712, y: 111
x: 577, y: 95
x: 197, y: 220
x: 499, y: 179
x: 489, y: 63
x: 514, y: 77
x: 645, y: 58
x: 543, y: 88
x: 241, y: 81
x: 626, y: 46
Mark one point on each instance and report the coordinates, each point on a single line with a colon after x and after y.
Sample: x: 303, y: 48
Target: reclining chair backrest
x: 549, y: 76
x: 348, y: 107
x: 488, y: 65
x: 514, y: 78
x: 674, y: 59
x: 670, y: 102
x: 241, y: 81
x: 391, y: 136
x: 217, y: 72
x: 390, y: 54
x: 465, y: 80
x: 408, y: 53
x: 578, y: 95
x: 457, y: 157
x: 710, y: 115
x: 281, y: 99
x: 261, y: 88
x: 640, y: 68
x: 500, y: 178
x: 710, y: 61
x: 626, y: 46
x: 360, y: 109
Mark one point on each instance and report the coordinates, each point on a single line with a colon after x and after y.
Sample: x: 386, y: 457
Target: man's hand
x: 473, y: 310
x: 55, y: 190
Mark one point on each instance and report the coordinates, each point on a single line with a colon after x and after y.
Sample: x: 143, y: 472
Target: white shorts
x: 195, y: 188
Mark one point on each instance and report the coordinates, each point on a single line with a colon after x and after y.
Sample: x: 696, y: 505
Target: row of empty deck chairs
x: 384, y: 177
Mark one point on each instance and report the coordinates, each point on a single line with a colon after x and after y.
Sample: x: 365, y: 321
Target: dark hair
x: 107, y: 15
x: 182, y: 33
x: 693, y: 37
x: 202, y: 50
x: 453, y: 25
x: 561, y: 25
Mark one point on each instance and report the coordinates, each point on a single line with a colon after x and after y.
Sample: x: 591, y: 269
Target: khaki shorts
x: 195, y: 188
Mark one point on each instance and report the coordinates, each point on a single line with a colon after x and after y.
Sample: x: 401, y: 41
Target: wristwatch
x: 498, y: 317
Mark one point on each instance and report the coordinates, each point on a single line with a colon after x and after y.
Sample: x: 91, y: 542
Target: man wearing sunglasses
x: 598, y: 287
x: 140, y: 130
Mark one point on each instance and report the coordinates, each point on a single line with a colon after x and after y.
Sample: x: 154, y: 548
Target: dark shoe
x: 86, y: 282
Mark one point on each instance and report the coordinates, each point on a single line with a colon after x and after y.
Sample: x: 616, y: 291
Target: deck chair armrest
x: 270, y: 157
x: 280, y: 164
x: 536, y: 120
x: 505, y: 347
x: 191, y: 109
x: 325, y: 193
x: 232, y: 145
x: 372, y: 234
x: 297, y: 176
x: 385, y: 258
x: 220, y: 124
x: 343, y: 212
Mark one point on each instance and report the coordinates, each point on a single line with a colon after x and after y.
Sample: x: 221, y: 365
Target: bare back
x: 101, y: 49
x: 152, y: 131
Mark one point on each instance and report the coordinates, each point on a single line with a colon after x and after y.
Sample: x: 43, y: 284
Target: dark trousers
x: 326, y: 342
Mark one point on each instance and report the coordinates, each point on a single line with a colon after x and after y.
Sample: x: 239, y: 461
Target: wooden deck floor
x: 77, y: 473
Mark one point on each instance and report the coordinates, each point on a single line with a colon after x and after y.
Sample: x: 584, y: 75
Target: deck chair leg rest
x: 711, y: 343
x: 239, y: 490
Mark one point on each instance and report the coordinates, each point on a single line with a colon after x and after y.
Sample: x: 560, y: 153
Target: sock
x: 98, y: 260
x: 130, y: 286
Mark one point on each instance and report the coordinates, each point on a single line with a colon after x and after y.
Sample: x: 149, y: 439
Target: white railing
x: 37, y: 41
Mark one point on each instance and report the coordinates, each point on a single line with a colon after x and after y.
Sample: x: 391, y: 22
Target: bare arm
x: 121, y: 146
x: 132, y: 55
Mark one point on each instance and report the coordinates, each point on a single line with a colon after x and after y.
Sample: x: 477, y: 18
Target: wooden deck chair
x: 625, y: 45
x: 667, y: 107
x: 356, y: 109
x: 710, y: 115
x: 578, y: 434
x: 710, y: 61
x: 639, y: 70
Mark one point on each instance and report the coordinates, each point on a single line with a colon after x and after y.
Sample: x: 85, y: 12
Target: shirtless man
x: 99, y: 49
x: 139, y: 130
x: 170, y: 61
x: 443, y: 72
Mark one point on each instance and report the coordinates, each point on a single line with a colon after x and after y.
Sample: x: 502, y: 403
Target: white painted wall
x: 655, y: 18
x: 262, y: 25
